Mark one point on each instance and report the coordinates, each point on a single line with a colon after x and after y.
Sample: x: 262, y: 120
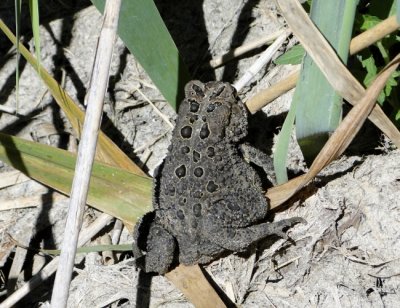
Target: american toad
x: 207, y: 198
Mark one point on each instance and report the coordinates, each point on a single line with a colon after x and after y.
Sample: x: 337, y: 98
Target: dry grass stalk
x: 237, y: 52
x: 86, y: 153
x: 264, y: 58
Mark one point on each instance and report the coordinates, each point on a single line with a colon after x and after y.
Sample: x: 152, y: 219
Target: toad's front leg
x: 153, y: 246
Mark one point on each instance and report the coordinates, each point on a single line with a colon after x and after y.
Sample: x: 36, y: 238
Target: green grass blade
x: 282, y: 145
x: 106, y: 150
x: 315, y: 104
x: 146, y: 36
x: 398, y: 11
x: 320, y: 109
x: 17, y: 4
x: 87, y: 249
x: 115, y: 191
x: 34, y: 11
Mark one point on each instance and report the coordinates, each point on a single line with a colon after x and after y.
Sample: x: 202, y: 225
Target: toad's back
x: 204, y: 174
x: 207, y: 199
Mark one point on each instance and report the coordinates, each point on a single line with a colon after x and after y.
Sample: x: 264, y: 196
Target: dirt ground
x: 348, y: 254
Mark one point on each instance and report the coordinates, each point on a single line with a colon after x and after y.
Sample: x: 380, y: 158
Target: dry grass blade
x: 192, y: 283
x: 358, y: 43
x: 339, y: 140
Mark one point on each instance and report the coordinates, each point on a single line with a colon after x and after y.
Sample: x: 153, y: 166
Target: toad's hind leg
x: 157, y: 243
x: 237, y: 239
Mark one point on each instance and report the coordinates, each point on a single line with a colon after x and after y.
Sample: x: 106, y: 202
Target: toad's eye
x: 218, y: 91
x: 196, y: 90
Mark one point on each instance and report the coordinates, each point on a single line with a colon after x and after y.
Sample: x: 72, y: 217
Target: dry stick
x: 162, y: 116
x: 358, y: 43
x: 24, y: 202
x: 340, y: 138
x: 50, y: 268
x: 116, y: 232
x: 16, y: 267
x: 264, y: 58
x: 237, y: 52
x: 266, y: 96
x: 86, y: 153
x: 11, y: 178
x: 107, y: 255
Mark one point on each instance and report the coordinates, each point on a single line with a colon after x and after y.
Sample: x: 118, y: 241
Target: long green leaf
x: 319, y: 110
x: 146, y: 36
x: 87, y: 249
x: 106, y: 150
x: 282, y: 146
x: 315, y: 103
x: 398, y: 11
x: 17, y: 8
x: 115, y: 191
x: 34, y: 11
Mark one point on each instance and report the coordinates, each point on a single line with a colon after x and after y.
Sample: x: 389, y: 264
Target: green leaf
x: 17, y: 8
x: 397, y: 116
x: 146, y: 36
x: 87, y: 249
x: 319, y: 110
x: 397, y: 8
x: 115, y: 191
x: 369, y: 21
x: 34, y: 11
x: 293, y: 56
x: 372, y: 71
x: 282, y: 145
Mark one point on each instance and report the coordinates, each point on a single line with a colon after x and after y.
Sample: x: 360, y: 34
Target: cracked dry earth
x: 347, y: 255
